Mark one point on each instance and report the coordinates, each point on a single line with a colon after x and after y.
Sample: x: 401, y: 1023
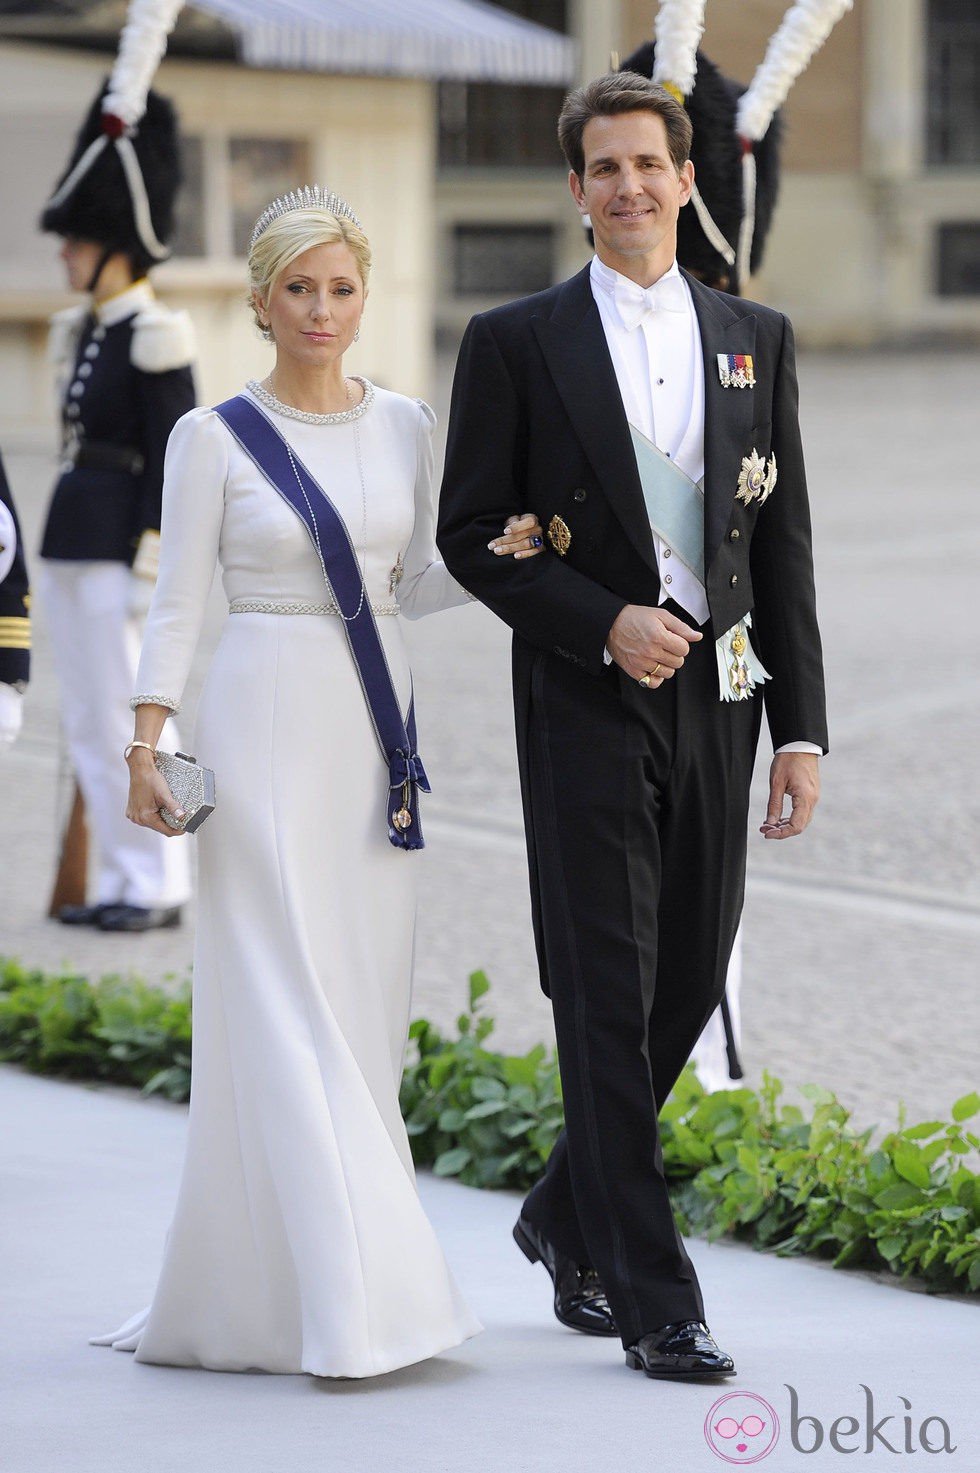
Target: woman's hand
x: 523, y: 537
x: 148, y: 793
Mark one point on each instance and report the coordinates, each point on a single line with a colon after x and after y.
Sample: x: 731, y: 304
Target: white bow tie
x: 634, y: 302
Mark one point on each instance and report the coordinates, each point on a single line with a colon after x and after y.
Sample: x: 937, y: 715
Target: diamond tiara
x: 310, y: 197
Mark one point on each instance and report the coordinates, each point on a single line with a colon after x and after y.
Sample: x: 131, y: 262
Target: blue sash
x: 675, y: 503
x: 264, y: 445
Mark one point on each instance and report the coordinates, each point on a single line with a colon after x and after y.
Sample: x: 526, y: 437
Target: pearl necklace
x: 345, y: 416
x: 306, y: 416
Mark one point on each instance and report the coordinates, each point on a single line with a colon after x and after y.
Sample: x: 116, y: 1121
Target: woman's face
x: 315, y: 306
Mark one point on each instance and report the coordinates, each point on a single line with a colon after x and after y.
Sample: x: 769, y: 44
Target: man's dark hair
x: 621, y: 92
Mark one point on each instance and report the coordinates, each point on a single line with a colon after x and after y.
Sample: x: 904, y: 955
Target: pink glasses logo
x: 741, y: 1428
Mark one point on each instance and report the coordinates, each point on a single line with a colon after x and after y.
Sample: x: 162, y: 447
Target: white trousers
x: 95, y: 641
x: 711, y: 1051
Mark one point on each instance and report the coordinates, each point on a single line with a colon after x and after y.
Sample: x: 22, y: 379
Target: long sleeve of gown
x: 195, y: 472
x: 427, y: 584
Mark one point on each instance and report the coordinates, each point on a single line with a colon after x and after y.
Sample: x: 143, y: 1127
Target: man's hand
x: 793, y: 775
x: 650, y: 644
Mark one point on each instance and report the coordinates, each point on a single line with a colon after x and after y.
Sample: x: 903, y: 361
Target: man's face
x: 81, y: 258
x: 632, y: 193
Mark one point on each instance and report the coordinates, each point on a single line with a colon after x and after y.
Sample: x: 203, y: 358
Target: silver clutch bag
x: 191, y: 784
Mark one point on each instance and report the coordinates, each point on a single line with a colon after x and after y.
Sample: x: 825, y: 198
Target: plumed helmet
x: 101, y: 205
x: 716, y: 152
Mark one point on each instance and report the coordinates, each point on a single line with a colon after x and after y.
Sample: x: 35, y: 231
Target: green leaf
x: 923, y: 1131
x: 451, y: 1163
x: 973, y: 1277
x: 488, y: 1089
x: 479, y: 987
x: 901, y: 1194
x: 966, y: 1106
x: 910, y: 1165
x: 890, y: 1247
x: 486, y: 1108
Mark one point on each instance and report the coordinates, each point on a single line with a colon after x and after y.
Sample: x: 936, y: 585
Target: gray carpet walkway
x: 89, y: 1178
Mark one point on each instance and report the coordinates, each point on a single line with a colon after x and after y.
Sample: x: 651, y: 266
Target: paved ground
x: 862, y: 952
x: 89, y: 1181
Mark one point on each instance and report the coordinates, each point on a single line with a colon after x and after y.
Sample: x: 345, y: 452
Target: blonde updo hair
x: 286, y: 238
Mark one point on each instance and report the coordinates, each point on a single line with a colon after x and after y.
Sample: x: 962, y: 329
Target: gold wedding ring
x: 650, y: 675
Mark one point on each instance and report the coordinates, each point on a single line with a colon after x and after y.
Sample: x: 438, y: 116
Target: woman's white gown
x: 298, y: 1242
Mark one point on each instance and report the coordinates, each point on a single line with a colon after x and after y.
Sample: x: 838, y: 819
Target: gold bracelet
x: 152, y: 750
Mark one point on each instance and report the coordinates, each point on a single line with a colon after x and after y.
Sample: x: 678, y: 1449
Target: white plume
x: 141, y: 48
x: 804, y: 29
x: 678, y: 30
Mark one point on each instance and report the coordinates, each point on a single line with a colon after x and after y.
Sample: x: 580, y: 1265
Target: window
x: 261, y: 170
x: 953, y: 82
x: 958, y: 259
x: 502, y: 260
x: 227, y: 184
x: 502, y: 125
x: 189, y: 233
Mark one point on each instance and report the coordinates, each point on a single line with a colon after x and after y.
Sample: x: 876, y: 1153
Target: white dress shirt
x: 660, y: 373
x: 659, y: 368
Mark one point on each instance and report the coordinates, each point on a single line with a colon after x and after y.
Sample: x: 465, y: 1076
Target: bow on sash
x: 266, y: 448
x: 634, y: 302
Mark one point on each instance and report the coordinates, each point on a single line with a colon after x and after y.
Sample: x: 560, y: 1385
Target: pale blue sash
x: 674, y: 503
x: 675, y: 506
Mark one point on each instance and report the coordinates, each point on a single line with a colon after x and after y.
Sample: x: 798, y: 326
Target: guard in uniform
x: 15, y: 622
x: 123, y: 364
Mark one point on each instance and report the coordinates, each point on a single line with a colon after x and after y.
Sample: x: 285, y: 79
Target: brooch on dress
x: 756, y: 479
x: 397, y: 574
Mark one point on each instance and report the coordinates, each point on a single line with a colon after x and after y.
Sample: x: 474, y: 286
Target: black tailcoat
x: 635, y: 801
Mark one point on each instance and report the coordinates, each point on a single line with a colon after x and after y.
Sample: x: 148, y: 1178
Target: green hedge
x: 740, y: 1162
x: 119, y: 1029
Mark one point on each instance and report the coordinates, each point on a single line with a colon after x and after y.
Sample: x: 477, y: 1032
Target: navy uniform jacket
x: 126, y: 380
x: 15, y: 623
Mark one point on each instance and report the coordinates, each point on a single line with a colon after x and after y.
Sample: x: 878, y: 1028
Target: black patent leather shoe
x: 682, y: 1351
x: 139, y: 917
x: 82, y: 915
x: 580, y: 1300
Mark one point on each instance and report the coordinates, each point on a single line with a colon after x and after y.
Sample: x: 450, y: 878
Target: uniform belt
x: 100, y: 455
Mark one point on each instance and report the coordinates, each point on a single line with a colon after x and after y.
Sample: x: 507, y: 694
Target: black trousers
x: 637, y: 805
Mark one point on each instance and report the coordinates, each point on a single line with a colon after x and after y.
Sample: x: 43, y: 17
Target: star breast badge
x: 756, y: 478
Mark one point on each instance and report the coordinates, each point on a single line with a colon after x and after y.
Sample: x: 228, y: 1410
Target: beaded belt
x: 269, y: 606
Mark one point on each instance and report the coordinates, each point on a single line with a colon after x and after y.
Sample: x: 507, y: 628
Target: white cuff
x: 800, y: 747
